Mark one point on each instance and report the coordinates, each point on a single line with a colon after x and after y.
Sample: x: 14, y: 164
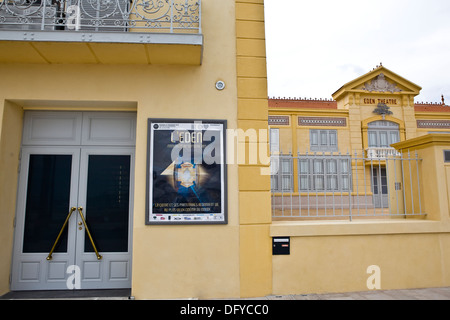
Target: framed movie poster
x: 186, y: 180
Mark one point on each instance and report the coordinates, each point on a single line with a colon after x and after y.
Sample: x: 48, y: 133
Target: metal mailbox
x: 281, y: 246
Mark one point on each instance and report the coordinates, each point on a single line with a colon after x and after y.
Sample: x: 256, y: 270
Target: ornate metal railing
x: 323, y: 185
x: 167, y: 16
x: 381, y: 153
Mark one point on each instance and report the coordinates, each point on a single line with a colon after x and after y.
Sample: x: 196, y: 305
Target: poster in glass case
x: 186, y: 180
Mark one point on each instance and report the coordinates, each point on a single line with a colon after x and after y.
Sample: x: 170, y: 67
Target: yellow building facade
x: 188, y: 60
x: 352, y: 109
x: 355, y: 191
x: 92, y: 108
x: 344, y: 145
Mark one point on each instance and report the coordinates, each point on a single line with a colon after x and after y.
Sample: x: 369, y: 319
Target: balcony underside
x: 100, y: 47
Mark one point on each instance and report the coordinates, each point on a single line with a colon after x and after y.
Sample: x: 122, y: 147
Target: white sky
x: 316, y: 46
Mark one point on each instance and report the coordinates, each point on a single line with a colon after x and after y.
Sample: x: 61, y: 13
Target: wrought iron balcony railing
x: 381, y: 153
x: 160, y: 16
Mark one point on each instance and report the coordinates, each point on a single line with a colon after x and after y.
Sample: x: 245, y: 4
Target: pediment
x: 381, y: 84
x: 380, y: 80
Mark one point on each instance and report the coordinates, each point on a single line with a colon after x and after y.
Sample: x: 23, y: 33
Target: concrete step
x: 113, y: 294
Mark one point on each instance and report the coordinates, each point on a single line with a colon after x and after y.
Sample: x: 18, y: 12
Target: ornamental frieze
x: 433, y: 124
x: 279, y: 120
x: 322, y: 122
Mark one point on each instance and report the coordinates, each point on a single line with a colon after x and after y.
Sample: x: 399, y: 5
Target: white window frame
x: 383, y: 128
x: 323, y: 140
x: 281, y: 167
x: 274, y: 140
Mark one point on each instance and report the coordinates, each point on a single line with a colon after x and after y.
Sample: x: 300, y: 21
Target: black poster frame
x: 171, y: 218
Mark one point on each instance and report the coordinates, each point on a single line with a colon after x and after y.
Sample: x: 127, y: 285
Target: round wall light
x: 220, y: 85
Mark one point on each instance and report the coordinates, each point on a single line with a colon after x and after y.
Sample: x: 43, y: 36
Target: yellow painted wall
x: 434, y: 188
x: 339, y: 263
x: 168, y: 262
x: 431, y: 116
x: 10, y: 138
x: 254, y: 188
x: 295, y: 138
x: 360, y: 114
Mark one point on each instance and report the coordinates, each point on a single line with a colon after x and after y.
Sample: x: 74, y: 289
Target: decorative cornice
x: 322, y: 122
x: 423, y: 141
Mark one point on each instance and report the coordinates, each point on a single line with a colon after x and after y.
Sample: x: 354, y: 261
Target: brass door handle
x: 80, y: 211
x: 49, y: 257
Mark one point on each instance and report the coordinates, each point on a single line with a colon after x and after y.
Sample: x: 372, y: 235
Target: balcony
x: 101, y: 31
x: 381, y: 153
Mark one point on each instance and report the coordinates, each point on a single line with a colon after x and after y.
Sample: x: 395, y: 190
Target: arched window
x: 383, y: 133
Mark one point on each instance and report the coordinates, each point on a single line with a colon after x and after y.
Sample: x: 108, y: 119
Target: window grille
x: 322, y: 173
x: 282, y: 174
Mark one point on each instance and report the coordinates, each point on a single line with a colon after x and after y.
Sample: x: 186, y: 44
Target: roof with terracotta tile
x: 431, y: 107
x: 302, y: 103
x: 299, y: 103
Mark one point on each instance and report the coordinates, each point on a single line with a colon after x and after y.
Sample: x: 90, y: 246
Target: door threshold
x: 101, y: 294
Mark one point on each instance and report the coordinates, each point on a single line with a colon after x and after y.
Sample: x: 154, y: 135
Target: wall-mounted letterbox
x: 281, y: 246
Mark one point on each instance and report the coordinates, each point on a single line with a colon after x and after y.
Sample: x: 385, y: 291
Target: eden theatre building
x: 126, y: 160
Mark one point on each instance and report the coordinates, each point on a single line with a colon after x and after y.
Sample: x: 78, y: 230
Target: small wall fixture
x: 281, y: 246
x: 220, y: 85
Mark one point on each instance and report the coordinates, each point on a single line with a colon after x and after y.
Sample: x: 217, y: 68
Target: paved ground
x: 409, y: 294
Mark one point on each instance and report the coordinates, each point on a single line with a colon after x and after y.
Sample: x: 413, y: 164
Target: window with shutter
x: 323, y: 140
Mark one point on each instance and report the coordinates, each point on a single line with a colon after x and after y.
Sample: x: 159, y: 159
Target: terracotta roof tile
x: 331, y: 104
x: 302, y: 103
x: 431, y: 107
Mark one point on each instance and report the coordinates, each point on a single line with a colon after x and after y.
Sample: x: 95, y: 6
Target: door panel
x: 109, y: 129
x: 52, y: 128
x: 104, y: 194
x: 107, y: 201
x: 380, y: 188
x: 48, y: 197
x: 47, y: 189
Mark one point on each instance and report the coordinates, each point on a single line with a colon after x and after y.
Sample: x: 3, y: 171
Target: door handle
x: 80, y: 211
x: 49, y: 257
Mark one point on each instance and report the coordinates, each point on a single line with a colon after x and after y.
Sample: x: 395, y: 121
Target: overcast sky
x: 314, y: 47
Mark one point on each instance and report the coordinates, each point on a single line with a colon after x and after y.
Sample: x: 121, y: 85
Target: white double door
x: 83, y: 186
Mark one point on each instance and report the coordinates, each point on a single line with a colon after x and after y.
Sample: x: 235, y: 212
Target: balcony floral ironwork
x: 160, y: 16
